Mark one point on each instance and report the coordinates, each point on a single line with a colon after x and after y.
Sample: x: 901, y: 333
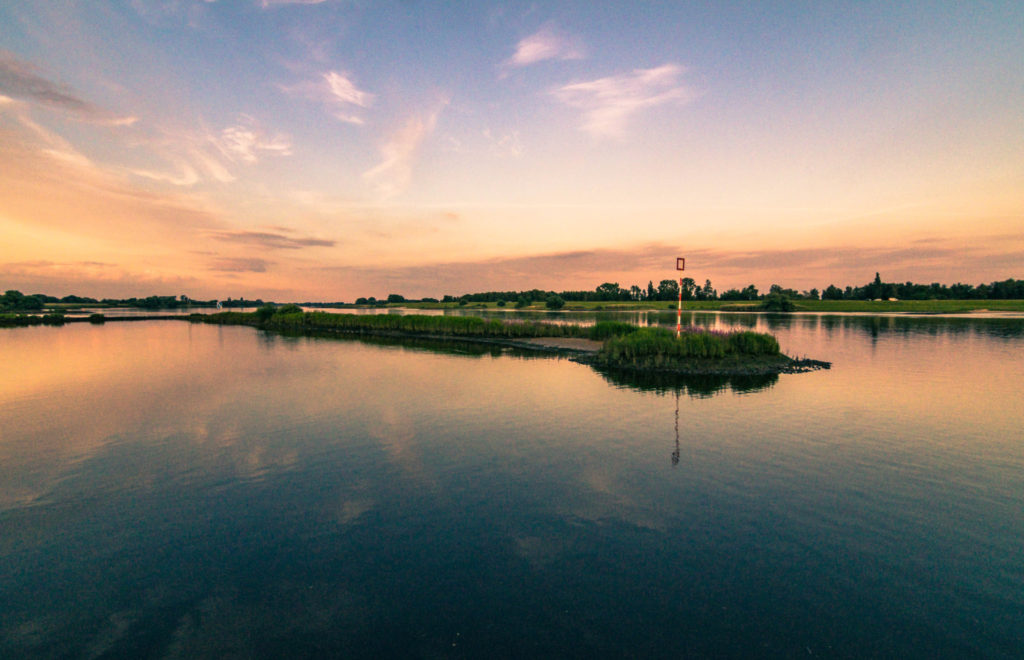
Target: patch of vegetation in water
x: 660, y: 346
x: 292, y: 318
x: 626, y: 347
x: 21, y: 320
x: 455, y: 347
x: 698, y: 352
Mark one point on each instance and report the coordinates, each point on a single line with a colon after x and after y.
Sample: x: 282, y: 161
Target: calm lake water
x: 178, y: 490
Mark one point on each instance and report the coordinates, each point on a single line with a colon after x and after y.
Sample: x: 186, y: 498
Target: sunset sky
x: 304, y: 150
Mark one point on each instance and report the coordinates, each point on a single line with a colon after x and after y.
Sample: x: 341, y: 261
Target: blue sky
x: 327, y: 150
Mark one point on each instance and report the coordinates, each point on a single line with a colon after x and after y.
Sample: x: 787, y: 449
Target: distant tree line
x: 669, y: 290
x: 1010, y: 289
x: 16, y: 301
x: 666, y: 290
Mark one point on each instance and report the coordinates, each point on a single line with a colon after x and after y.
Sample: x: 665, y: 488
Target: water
x: 177, y: 490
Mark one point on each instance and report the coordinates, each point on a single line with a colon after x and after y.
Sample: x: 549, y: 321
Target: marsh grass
x: 19, y: 320
x: 453, y: 326
x: 660, y: 348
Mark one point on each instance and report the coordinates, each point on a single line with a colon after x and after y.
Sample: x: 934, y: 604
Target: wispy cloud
x: 609, y: 103
x: 47, y: 142
x: 281, y: 239
x: 22, y: 80
x: 91, y: 278
x: 392, y: 174
x: 504, y: 146
x: 546, y: 44
x: 195, y: 156
x: 240, y: 265
x: 337, y: 91
x: 344, y: 93
x: 247, y: 139
x: 184, y: 176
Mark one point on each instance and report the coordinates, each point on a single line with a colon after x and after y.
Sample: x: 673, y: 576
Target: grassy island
x: 610, y: 344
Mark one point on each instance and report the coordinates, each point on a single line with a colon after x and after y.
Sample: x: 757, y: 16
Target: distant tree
x: 608, y: 291
x: 522, y: 301
x: 732, y: 294
x: 689, y: 287
x: 750, y: 293
x: 779, y: 290
x: 265, y: 312
x: 362, y: 301
x: 707, y: 293
x: 554, y: 302
x: 636, y: 293
x: 501, y: 303
x: 78, y: 299
x: 875, y: 288
x: 651, y: 293
x: 668, y: 290
x: 16, y: 300
x: 777, y: 302
x: 832, y: 293
x: 395, y: 298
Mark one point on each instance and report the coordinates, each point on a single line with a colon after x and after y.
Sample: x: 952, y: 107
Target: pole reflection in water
x: 675, y: 454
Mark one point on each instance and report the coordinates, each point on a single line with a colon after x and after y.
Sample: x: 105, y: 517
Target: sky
x: 304, y: 150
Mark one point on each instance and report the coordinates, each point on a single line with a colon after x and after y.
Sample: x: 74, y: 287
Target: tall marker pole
x: 680, y: 266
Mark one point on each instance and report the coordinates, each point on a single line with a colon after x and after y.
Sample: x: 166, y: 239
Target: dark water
x: 173, y: 490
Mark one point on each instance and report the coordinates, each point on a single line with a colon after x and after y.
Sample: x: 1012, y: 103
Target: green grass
x: 624, y: 343
x: 910, y: 306
x: 415, y: 324
x: 659, y: 348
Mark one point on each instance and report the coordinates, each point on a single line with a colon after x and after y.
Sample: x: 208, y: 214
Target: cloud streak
x: 337, y: 91
x: 240, y: 265
x: 91, y: 278
x: 392, y: 175
x: 545, y: 44
x: 280, y: 240
x: 246, y: 141
x: 198, y: 156
x: 608, y: 103
x: 21, y: 80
